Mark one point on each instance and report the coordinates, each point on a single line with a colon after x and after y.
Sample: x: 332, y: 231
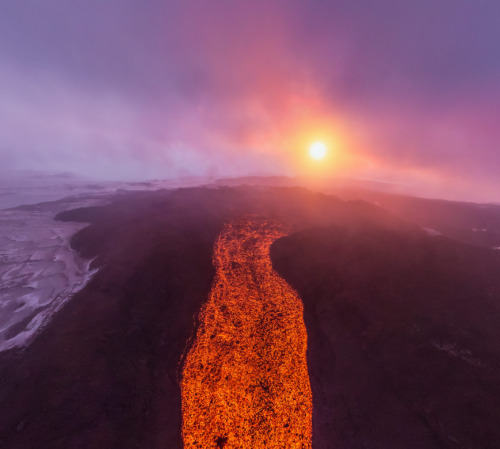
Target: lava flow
x: 245, y: 382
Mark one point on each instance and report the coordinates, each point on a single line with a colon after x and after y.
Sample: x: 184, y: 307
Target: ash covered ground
x: 402, y: 323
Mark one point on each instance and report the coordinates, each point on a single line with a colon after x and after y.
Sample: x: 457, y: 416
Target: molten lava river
x: 245, y: 382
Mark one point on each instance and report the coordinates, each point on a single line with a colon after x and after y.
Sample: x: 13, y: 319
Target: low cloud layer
x: 408, y: 92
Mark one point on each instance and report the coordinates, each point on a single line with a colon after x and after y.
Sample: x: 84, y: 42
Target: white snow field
x: 39, y: 271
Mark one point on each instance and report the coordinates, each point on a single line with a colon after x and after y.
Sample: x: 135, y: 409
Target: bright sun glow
x: 317, y: 150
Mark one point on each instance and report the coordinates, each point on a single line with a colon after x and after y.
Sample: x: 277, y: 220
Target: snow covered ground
x: 39, y: 272
x: 36, y: 187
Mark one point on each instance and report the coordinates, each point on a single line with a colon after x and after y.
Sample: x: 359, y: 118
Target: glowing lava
x: 245, y: 382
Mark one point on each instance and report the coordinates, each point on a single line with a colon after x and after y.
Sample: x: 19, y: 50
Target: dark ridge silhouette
x: 475, y: 224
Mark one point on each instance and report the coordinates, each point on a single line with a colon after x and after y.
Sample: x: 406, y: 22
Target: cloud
x: 149, y: 89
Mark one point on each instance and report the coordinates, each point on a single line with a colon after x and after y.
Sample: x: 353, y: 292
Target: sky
x: 401, y: 91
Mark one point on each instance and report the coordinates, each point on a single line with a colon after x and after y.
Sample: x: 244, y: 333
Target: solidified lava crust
x: 245, y: 382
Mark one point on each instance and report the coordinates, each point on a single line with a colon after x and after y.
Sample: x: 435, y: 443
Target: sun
x: 317, y: 150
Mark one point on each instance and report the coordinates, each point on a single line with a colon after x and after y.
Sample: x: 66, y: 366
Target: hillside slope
x: 403, y: 337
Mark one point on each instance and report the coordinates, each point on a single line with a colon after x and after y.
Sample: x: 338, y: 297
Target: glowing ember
x: 245, y: 382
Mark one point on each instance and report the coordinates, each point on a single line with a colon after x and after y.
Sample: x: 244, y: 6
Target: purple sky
x: 407, y: 92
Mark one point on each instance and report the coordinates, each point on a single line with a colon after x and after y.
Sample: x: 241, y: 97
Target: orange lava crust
x: 245, y: 382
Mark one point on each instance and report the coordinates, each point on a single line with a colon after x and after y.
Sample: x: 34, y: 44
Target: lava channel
x: 245, y: 382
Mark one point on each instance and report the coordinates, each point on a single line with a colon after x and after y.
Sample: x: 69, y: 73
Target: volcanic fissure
x: 245, y: 382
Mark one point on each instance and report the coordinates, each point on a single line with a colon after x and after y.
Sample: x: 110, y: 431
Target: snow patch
x: 39, y: 272
x: 454, y: 350
x: 432, y: 232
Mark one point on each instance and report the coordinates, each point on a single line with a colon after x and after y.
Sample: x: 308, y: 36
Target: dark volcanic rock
x: 104, y: 373
x: 403, y: 337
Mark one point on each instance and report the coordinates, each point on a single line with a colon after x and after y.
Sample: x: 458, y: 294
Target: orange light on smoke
x: 245, y: 382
